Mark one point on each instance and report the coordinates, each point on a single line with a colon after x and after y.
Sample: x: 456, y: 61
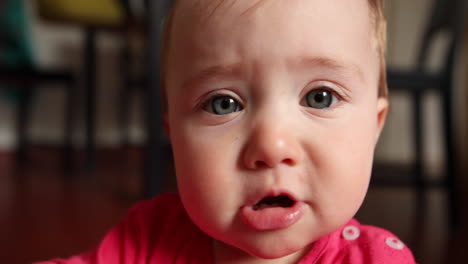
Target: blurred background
x: 80, y: 135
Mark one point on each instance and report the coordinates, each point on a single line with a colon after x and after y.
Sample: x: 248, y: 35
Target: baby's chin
x: 290, y: 253
x: 293, y: 249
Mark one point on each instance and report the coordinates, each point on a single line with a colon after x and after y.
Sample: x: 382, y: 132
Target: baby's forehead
x: 201, y: 12
x: 196, y: 14
x: 211, y: 31
x: 207, y: 8
x: 200, y: 17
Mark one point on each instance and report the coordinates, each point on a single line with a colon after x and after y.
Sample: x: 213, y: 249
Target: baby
x: 273, y: 109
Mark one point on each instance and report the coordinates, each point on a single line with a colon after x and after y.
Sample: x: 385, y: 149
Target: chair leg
x: 418, y: 171
x: 68, y: 129
x: 153, y: 180
x: 23, y: 112
x: 124, y: 95
x: 90, y: 97
x: 451, y: 158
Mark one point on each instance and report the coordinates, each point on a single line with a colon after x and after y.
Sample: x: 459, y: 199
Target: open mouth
x: 274, y: 201
x: 273, y: 211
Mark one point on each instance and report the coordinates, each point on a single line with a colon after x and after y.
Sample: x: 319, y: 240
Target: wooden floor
x: 46, y: 214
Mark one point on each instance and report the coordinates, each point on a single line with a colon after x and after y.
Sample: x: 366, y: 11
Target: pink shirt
x: 159, y: 231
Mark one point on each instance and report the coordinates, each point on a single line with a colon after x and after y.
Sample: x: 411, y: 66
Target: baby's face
x: 273, y: 116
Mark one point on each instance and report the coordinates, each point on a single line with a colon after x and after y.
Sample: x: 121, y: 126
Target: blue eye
x: 320, y: 98
x: 223, y: 105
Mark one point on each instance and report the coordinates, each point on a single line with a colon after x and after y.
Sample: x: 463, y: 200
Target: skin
x: 268, y: 55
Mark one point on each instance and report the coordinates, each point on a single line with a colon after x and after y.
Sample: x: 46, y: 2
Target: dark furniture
x: 146, y: 84
x: 448, y: 16
x: 24, y: 80
x: 91, y: 25
x: 153, y: 177
x: 27, y: 79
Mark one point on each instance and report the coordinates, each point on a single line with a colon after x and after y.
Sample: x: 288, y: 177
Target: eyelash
x: 218, y: 94
x: 323, y: 86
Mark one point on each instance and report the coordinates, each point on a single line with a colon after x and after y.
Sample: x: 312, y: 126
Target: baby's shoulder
x: 356, y: 243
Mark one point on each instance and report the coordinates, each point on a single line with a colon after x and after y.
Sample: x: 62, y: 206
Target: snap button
x: 394, y: 243
x: 351, y: 233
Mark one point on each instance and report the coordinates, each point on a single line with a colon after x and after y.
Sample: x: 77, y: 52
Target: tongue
x: 271, y: 218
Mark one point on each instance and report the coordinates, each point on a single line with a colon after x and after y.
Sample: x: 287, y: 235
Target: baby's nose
x: 271, y: 144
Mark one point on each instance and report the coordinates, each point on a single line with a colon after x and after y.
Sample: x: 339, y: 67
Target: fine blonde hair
x: 379, y: 24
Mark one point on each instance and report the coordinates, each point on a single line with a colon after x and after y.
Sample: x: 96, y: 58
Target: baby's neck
x: 225, y: 254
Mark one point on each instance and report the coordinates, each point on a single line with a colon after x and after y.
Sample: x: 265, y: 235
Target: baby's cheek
x: 203, y: 176
x: 350, y: 164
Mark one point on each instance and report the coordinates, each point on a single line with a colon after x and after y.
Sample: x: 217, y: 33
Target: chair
x: 23, y: 79
x: 446, y: 16
x: 157, y: 150
x: 93, y: 16
x: 132, y: 79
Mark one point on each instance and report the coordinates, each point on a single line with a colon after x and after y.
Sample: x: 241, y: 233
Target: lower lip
x: 274, y: 218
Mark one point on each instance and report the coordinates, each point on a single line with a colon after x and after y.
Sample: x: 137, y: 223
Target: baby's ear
x: 382, y: 110
x: 167, y: 128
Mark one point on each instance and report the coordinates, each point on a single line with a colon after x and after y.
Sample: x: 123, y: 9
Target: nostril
x: 259, y: 164
x: 289, y: 162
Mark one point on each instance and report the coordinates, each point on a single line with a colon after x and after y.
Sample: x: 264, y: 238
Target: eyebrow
x: 325, y: 62
x: 226, y: 71
x: 212, y: 72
